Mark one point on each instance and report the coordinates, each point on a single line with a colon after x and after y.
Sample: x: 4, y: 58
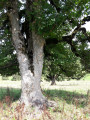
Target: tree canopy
x: 58, y: 22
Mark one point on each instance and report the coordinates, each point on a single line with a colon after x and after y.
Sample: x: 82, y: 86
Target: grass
x: 86, y: 77
x: 12, y: 92
x: 70, y: 96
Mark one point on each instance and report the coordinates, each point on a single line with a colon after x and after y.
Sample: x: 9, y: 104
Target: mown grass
x: 72, y: 104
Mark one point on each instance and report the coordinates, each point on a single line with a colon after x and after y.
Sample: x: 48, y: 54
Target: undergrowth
x: 71, y: 106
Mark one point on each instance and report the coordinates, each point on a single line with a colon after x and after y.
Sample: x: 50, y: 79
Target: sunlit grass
x: 86, y: 77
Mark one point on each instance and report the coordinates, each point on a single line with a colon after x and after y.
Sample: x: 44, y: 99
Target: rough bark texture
x: 31, y: 91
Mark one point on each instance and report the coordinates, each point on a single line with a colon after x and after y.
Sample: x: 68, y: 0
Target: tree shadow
x: 13, y: 93
x: 70, y: 97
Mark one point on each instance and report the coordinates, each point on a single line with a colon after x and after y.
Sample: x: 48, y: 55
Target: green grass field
x: 73, y: 101
x: 86, y: 77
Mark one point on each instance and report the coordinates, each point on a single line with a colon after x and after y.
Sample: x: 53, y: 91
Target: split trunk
x: 30, y: 71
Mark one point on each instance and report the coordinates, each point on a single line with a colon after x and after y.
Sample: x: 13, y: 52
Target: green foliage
x: 62, y: 63
x: 83, y: 49
x: 8, y: 61
x: 49, y: 22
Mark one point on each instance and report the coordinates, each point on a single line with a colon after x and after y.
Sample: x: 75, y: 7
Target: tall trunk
x: 31, y: 91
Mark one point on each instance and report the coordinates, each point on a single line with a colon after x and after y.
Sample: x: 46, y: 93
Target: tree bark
x: 31, y: 92
x: 53, y: 80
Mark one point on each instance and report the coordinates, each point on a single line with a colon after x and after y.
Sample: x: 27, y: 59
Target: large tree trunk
x: 31, y: 92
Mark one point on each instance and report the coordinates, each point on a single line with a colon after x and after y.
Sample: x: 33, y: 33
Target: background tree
x: 61, y: 63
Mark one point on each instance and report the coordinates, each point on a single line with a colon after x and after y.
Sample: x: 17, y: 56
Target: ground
x: 71, y: 96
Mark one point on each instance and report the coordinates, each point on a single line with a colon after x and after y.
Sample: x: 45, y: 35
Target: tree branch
x: 78, y: 28
x: 68, y: 39
x: 55, y: 6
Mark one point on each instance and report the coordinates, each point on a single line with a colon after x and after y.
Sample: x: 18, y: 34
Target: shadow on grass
x: 67, y: 96
x: 12, y: 92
